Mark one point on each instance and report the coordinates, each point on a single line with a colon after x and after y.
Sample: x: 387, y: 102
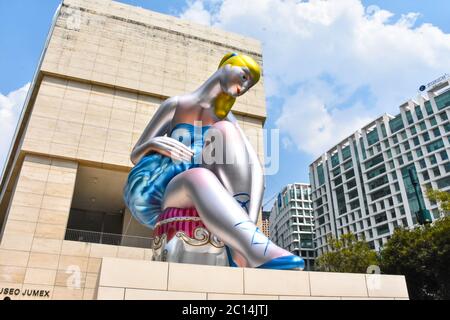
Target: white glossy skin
x: 210, y: 189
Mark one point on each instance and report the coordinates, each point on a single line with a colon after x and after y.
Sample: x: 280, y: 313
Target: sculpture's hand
x: 171, y: 148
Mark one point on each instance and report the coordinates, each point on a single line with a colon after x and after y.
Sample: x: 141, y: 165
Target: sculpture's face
x: 235, y: 81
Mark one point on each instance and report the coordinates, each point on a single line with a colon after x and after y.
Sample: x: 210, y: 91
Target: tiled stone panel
x: 136, y: 49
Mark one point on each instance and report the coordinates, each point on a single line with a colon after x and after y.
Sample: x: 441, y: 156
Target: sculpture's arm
x: 257, y: 175
x: 153, y: 137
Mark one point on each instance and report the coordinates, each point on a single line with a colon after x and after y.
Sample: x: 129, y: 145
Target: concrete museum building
x: 65, y: 232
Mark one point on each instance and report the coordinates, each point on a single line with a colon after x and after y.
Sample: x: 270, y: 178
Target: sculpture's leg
x: 224, y: 217
x: 229, y: 161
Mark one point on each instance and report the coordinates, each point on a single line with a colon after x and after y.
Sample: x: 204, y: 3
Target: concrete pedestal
x: 125, y: 279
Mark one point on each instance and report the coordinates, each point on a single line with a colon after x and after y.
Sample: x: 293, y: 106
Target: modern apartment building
x: 365, y: 183
x: 292, y: 222
x: 266, y: 223
x: 105, y: 69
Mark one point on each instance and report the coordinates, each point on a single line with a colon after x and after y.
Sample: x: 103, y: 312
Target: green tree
x: 422, y: 255
x: 442, y: 197
x: 348, y: 254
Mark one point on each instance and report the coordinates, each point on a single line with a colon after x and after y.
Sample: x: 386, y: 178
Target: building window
x: 422, y: 126
x: 396, y: 124
x: 436, y: 172
x: 432, y: 159
x: 428, y: 108
x: 438, y: 144
x: 447, y: 167
x: 409, y: 117
x: 436, y: 132
x: 419, y: 113
x: 419, y: 152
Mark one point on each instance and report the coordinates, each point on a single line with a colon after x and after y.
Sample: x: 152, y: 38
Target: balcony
x: 108, y: 238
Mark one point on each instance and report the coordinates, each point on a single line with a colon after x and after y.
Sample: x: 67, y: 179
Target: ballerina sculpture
x: 185, y: 198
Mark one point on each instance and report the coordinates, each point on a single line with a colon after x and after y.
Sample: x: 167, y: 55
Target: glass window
x: 336, y: 171
x: 406, y: 145
x: 373, y: 162
x: 394, y: 175
x: 422, y: 164
x: 428, y: 108
x: 351, y: 184
x: 432, y: 159
x: 416, y: 141
x: 320, y: 174
x: 409, y: 117
x: 403, y: 135
x: 447, y: 127
x: 447, y: 167
x: 443, y: 155
x: 396, y: 124
x: 376, y: 172
x: 419, y: 152
x: 380, y: 217
x: 436, y: 172
x: 348, y: 164
x: 389, y: 154
x: 378, y: 182
x: 372, y: 137
x: 443, y: 100
x: 409, y: 156
x: 383, y: 229
x: 381, y: 193
x: 335, y: 160
x: 391, y: 164
x: 346, y: 153
x: 349, y: 175
x: 443, y: 183
x: 436, y: 132
x: 394, y: 139
x: 433, y: 121
x: 443, y: 116
x: 413, y: 130
x: 435, y: 145
x: 426, y: 136
x: 425, y: 176
x: 383, y: 130
x: 419, y: 113
x: 422, y: 126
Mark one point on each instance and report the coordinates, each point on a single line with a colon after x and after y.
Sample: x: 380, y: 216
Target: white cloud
x: 10, y: 109
x: 336, y: 64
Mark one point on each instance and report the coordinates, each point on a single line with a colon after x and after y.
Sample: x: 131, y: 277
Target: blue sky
x: 328, y: 95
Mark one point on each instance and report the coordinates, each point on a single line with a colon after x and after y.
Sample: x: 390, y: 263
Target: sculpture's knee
x: 227, y: 129
x: 199, y: 176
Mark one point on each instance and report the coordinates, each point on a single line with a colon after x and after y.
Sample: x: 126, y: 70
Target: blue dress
x: 147, y: 181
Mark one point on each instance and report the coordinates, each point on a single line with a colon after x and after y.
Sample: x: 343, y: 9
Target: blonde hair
x: 224, y: 102
x: 237, y: 60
